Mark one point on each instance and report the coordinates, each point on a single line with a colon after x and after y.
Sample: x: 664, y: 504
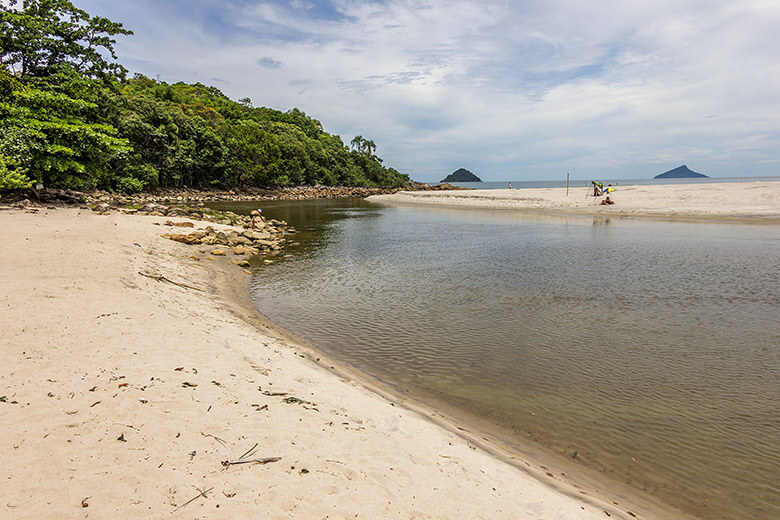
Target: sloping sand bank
x: 715, y: 201
x: 128, y: 397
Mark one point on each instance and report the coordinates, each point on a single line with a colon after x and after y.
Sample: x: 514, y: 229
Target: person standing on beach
x: 254, y: 214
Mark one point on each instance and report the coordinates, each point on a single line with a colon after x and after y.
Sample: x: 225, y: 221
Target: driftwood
x: 161, y: 278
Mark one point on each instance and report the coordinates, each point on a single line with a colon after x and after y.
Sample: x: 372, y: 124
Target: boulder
x: 153, y: 208
x: 179, y: 224
x: 218, y: 252
x: 184, y: 239
x: 254, y: 235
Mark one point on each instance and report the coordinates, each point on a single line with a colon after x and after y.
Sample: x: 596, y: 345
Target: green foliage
x: 60, y: 140
x: 194, y: 135
x: 133, y: 176
x: 11, y: 176
x: 42, y: 36
x: 69, y: 119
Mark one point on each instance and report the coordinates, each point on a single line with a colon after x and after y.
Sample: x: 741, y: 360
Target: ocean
x: 583, y: 184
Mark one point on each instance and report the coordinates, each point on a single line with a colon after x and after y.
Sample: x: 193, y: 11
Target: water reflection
x: 650, y: 348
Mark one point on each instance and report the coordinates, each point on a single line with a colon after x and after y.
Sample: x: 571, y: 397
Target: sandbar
x: 757, y: 201
x: 125, y: 396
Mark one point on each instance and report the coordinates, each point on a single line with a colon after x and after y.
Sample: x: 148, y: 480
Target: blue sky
x: 511, y: 90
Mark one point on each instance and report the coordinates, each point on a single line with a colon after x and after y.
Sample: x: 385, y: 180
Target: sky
x: 510, y: 90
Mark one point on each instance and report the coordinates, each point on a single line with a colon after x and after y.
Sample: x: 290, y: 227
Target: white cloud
x: 530, y: 88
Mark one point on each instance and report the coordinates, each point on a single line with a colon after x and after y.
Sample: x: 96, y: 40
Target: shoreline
x: 132, y: 392
x: 748, y: 202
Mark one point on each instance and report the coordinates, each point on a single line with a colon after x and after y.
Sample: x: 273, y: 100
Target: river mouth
x: 644, y: 350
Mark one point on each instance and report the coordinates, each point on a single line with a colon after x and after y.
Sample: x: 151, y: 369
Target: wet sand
x: 129, y: 396
x: 740, y: 201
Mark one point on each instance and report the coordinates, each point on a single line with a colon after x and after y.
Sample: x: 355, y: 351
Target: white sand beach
x: 125, y: 396
x: 713, y: 201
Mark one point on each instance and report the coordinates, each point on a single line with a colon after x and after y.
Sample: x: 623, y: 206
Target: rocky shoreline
x: 267, y: 239
x: 234, y: 233
x: 186, y: 196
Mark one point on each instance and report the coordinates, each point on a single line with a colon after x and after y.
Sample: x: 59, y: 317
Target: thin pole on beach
x: 567, y: 184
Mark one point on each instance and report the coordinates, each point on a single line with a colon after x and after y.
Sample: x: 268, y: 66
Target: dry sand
x: 758, y: 201
x: 125, y: 394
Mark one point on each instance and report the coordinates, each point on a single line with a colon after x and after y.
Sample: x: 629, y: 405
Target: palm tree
x: 363, y: 146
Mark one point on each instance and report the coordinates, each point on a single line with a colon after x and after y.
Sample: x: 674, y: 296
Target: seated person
x: 607, y: 201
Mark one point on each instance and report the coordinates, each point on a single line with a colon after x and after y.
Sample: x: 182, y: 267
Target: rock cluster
x: 190, y: 203
x: 196, y: 212
x: 444, y: 186
x: 241, y: 242
x: 267, y: 239
x: 192, y: 195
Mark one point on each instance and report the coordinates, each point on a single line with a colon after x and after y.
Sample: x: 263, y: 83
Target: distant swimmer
x: 254, y: 214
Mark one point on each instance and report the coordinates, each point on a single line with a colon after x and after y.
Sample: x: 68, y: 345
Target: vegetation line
x: 70, y: 119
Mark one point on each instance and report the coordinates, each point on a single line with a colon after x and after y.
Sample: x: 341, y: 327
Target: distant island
x: 461, y: 175
x: 681, y: 172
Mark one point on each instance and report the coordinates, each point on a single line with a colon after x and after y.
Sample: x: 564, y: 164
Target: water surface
x: 585, y: 183
x: 650, y: 348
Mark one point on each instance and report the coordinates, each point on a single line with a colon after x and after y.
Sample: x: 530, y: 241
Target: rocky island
x: 461, y: 175
x: 681, y: 172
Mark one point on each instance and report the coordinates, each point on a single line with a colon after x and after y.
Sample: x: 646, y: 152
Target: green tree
x: 56, y: 138
x: 54, y: 73
x: 41, y: 36
x: 363, y: 146
x: 69, y: 118
x: 12, y: 177
x: 357, y: 143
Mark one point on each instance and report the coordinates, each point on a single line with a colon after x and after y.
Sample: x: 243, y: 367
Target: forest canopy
x: 70, y: 118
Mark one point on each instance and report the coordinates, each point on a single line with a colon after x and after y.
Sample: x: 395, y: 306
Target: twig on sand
x: 228, y: 463
x: 161, y: 278
x: 201, y: 494
x: 221, y: 441
x: 250, y: 450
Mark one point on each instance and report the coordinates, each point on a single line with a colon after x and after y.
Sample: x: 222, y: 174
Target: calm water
x: 651, y: 348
